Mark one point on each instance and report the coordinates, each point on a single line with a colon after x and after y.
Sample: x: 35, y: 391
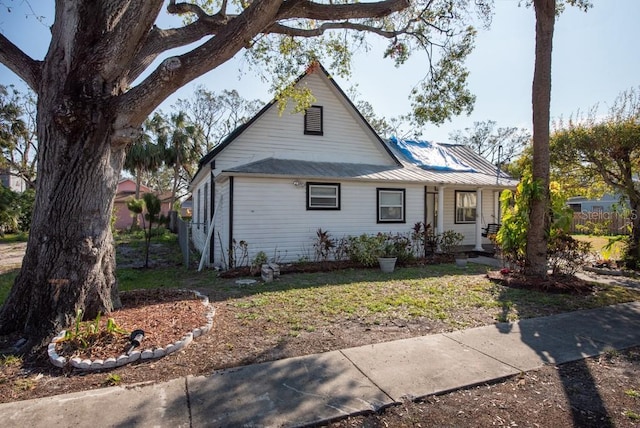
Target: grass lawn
x: 598, y: 244
x: 444, y: 293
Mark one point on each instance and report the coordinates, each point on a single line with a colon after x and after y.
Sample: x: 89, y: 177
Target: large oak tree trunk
x: 541, y: 103
x: 70, y: 259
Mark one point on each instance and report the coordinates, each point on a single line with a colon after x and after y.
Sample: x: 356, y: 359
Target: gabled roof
x: 240, y: 129
x: 480, y: 172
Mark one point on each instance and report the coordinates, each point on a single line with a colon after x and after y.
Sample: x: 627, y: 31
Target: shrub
x: 15, y: 210
x: 566, y: 254
x: 512, y: 236
x: 364, y: 249
x: 450, y: 240
x: 323, y: 245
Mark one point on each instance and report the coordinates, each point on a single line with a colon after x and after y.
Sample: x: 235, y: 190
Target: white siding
x: 221, y: 224
x: 198, y: 235
x: 468, y: 229
x: 271, y: 216
x: 346, y: 138
x: 278, y: 223
x: 270, y: 213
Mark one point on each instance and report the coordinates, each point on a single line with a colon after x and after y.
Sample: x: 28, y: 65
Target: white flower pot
x: 387, y: 264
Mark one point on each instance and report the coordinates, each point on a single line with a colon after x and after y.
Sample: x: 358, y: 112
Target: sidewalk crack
x: 393, y: 400
x: 188, y: 397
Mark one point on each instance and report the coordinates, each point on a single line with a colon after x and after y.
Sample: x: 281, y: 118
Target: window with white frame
x: 391, y: 205
x: 466, y: 205
x: 323, y: 196
x: 313, y: 121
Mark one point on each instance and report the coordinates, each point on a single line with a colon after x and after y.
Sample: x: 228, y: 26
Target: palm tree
x: 181, y: 140
x: 144, y: 156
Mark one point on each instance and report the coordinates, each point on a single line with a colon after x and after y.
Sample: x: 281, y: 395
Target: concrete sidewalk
x: 321, y: 387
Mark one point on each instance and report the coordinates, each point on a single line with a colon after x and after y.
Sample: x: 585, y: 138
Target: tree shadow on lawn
x: 571, y: 337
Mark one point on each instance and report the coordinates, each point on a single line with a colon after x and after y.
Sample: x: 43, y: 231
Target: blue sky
x: 595, y: 57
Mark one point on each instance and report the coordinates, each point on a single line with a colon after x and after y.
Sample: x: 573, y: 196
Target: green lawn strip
x: 136, y: 278
x: 10, y: 238
x: 303, y: 302
x: 599, y: 242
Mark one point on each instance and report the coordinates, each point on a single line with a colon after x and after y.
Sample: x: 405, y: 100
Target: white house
x: 12, y: 182
x: 280, y: 177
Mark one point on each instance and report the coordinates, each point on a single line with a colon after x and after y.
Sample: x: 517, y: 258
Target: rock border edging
x: 136, y: 355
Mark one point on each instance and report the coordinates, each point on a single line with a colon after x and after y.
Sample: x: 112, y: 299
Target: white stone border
x: 146, y: 354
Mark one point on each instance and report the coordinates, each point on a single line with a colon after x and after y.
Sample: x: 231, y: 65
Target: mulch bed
x: 553, y: 283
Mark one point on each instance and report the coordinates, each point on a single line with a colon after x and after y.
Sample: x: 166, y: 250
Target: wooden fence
x: 601, y: 223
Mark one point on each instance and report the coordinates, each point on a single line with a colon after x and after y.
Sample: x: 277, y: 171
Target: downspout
x: 424, y: 220
x: 230, y: 244
x: 440, y: 219
x: 212, y: 189
x: 479, y: 217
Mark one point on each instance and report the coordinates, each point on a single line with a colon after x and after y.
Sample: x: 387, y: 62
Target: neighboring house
x: 12, y: 182
x: 608, y: 215
x: 607, y: 203
x: 279, y: 178
x: 127, y: 190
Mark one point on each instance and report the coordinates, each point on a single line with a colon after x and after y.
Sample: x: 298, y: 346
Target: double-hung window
x: 466, y: 207
x: 323, y: 196
x: 391, y: 205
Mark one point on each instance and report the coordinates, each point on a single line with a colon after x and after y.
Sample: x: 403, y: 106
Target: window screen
x: 321, y: 196
x: 465, y: 207
x: 391, y: 205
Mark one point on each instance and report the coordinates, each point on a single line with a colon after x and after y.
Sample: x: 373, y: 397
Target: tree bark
x: 537, y: 234
x: 70, y: 260
x: 69, y: 264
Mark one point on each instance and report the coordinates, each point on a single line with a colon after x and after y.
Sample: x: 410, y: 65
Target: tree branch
x: 176, y: 71
x: 300, y: 32
x: 232, y: 34
x: 160, y: 40
x: 20, y: 63
x: 324, y: 12
x: 219, y: 18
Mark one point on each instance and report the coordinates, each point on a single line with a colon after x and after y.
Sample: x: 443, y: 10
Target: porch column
x: 440, y: 222
x: 479, y: 220
x: 496, y: 206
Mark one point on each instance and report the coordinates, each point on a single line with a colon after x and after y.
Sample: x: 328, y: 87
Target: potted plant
x: 387, y: 256
x: 461, y: 259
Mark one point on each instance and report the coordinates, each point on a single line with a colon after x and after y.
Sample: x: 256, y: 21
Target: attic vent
x: 313, y: 121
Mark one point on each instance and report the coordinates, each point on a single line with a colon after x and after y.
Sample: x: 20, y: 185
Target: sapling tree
x: 153, y: 207
x: 135, y: 206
